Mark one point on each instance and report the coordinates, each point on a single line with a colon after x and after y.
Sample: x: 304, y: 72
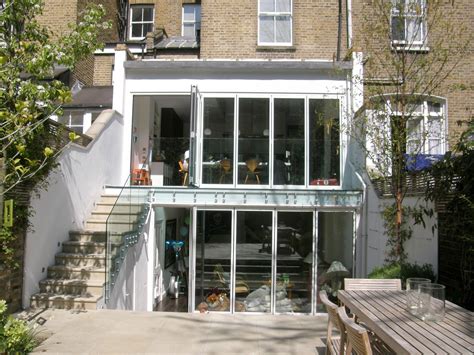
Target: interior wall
x: 143, y: 119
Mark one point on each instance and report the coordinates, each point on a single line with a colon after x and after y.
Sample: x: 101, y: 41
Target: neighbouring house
x: 224, y: 178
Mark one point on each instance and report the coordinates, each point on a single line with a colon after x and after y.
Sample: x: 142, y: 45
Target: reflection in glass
x: 289, y: 160
x: 253, y: 280
x: 294, y: 262
x: 335, y: 240
x: 213, y: 260
x: 218, y: 137
x: 253, y: 141
x: 324, y: 142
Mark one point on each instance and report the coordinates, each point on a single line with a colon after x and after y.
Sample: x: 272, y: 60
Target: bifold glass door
x: 270, y: 261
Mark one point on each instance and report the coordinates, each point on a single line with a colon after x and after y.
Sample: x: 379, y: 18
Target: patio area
x: 179, y: 333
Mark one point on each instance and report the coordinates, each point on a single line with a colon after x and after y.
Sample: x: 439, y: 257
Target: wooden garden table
x: 384, y: 312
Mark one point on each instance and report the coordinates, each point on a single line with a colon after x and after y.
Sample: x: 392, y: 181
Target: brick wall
x: 103, y: 70
x: 11, y: 281
x: 57, y: 14
x: 110, y: 35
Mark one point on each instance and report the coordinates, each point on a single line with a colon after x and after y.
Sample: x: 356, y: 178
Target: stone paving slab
x: 122, y: 332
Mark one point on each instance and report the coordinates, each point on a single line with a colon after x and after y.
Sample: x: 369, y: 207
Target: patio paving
x: 179, y: 333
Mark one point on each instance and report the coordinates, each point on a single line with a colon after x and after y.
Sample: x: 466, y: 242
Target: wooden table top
x: 385, y: 313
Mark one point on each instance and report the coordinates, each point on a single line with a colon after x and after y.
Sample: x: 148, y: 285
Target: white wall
x: 133, y: 288
x: 421, y: 248
x: 72, y: 189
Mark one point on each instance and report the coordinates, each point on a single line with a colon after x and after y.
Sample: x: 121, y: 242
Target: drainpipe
x: 339, y: 30
x: 349, y: 23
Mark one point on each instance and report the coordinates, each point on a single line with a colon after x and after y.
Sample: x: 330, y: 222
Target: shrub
x: 403, y: 271
x: 16, y: 336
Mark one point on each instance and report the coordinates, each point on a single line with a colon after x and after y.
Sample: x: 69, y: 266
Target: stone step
x: 79, y: 247
x: 116, y: 227
x: 51, y: 300
x: 120, y: 208
x: 79, y: 273
x: 71, y: 287
x: 88, y: 236
x: 80, y: 260
x: 116, y: 218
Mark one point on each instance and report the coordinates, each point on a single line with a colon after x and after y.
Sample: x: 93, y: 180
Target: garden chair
x: 334, y: 344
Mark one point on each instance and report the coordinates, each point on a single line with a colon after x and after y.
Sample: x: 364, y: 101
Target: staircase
x: 77, y: 279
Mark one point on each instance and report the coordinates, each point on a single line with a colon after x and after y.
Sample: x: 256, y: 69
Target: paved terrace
x: 179, y: 333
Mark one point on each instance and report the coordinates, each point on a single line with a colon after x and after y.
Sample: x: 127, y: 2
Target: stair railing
x: 124, y: 226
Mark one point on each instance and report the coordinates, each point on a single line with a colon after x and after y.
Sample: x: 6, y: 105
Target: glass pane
x: 289, y: 159
x: 253, y: 279
x: 267, y: 5
x: 267, y: 30
x: 137, y: 30
x: 283, y: 5
x: 414, y: 141
x: 398, y: 28
x: 434, y: 107
x: 136, y: 14
x: 435, y: 146
x: 188, y: 30
x: 324, y: 142
x: 218, y: 141
x: 334, y: 253
x: 148, y: 14
x: 147, y: 27
x: 294, y: 262
x: 64, y: 119
x: 188, y: 13
x: 283, y: 29
x: 414, y: 30
x: 213, y: 260
x: 253, y: 141
x: 77, y: 118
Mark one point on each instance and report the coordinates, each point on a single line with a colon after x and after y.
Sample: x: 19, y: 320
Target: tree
x: 411, y: 48
x: 29, y: 95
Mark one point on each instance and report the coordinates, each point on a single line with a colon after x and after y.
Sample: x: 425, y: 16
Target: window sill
x: 400, y: 47
x: 275, y: 48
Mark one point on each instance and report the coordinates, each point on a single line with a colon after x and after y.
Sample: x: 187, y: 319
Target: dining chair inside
x: 372, y: 284
x: 226, y: 169
x: 252, y: 165
x: 358, y: 341
x: 140, y: 177
x: 183, y: 171
x: 335, y: 344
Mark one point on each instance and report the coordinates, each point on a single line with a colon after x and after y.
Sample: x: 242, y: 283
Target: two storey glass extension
x: 249, y: 168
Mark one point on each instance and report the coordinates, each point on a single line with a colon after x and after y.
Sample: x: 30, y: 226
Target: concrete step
x: 72, y: 287
x: 120, y: 208
x: 79, y: 247
x: 51, y: 300
x: 79, y: 273
x: 80, y: 260
x: 88, y: 236
x: 115, y: 218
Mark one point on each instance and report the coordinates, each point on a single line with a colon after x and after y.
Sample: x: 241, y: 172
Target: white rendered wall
x: 421, y: 248
x: 72, y: 189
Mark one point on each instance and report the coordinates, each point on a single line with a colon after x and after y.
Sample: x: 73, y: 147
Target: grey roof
x: 92, y: 97
x: 177, y: 43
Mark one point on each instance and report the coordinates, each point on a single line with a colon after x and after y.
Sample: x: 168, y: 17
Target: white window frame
x: 423, y: 117
x: 131, y: 22
x: 274, y: 15
x: 409, y: 13
x: 196, y: 22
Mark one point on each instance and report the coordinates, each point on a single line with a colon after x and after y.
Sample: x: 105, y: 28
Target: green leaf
x: 48, y: 152
x: 73, y: 136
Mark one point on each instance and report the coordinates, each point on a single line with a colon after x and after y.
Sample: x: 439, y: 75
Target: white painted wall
x: 133, y: 290
x: 73, y: 187
x: 421, y: 248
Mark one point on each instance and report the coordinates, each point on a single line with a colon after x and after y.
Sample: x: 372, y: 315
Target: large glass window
x: 275, y: 22
x: 289, y: 139
x: 213, y: 260
x: 294, y: 275
x: 253, y: 145
x: 253, y: 279
x: 324, y: 143
x: 218, y: 141
x: 141, y: 21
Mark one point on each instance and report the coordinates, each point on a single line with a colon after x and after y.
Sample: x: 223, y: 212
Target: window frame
x: 142, y: 22
x: 274, y: 14
x: 196, y: 24
x: 409, y: 14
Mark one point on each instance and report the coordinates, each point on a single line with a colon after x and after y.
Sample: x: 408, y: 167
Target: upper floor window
x: 408, y: 23
x: 141, y: 21
x: 275, y: 22
x: 191, y: 20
